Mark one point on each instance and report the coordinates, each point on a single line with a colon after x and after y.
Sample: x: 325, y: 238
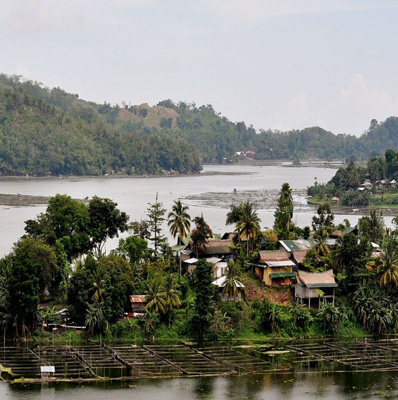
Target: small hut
x: 318, y: 286
x: 138, y: 303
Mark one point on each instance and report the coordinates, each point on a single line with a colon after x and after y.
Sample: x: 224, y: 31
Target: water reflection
x: 287, y: 386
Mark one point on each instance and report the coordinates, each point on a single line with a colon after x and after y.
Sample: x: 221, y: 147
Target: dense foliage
x: 51, y: 132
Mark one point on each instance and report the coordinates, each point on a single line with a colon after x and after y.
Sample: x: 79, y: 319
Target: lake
x: 291, y: 386
x: 300, y: 370
x: 134, y: 194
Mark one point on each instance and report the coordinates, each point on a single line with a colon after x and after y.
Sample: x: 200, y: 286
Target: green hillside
x: 51, y: 132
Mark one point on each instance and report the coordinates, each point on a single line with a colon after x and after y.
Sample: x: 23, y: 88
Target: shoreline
x: 254, y: 163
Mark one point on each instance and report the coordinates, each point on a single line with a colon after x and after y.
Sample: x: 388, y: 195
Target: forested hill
x: 48, y: 131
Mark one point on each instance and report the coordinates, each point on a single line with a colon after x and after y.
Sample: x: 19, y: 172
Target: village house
x: 318, y: 287
x: 219, y: 267
x: 138, y: 303
x: 275, y: 268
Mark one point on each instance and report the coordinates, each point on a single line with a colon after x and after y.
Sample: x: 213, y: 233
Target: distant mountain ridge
x: 51, y: 132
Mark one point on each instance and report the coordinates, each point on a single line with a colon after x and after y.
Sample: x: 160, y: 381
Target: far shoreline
x: 254, y: 163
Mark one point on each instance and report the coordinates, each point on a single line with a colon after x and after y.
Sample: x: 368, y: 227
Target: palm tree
x: 249, y: 224
x: 387, y: 263
x: 231, y: 282
x: 99, y: 284
x: 179, y: 222
x: 151, y: 320
x: 171, y: 294
x: 155, y: 298
x: 234, y: 214
x: 95, y: 319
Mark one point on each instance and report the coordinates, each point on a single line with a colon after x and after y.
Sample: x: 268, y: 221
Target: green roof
x: 321, y: 285
x: 276, y: 275
x: 259, y: 265
x: 297, y: 245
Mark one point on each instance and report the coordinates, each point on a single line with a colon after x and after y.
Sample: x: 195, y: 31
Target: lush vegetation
x: 60, y: 263
x: 373, y: 184
x: 51, y: 132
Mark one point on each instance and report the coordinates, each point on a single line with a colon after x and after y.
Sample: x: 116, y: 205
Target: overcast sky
x: 278, y: 64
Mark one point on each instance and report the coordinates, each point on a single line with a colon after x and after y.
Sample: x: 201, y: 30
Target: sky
x: 274, y: 64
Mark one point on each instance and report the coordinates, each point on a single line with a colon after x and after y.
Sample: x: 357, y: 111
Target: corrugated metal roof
x: 300, y: 244
x: 215, y: 247
x: 213, y: 260
x: 285, y: 263
x: 191, y: 261
x: 273, y: 255
x: 137, y: 298
x: 299, y: 256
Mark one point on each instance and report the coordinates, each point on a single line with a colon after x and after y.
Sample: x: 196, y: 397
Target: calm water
x: 133, y: 194
x: 299, y: 386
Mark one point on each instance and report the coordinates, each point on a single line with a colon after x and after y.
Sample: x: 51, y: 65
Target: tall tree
x: 324, y: 218
x: 234, y: 214
x: 65, y: 220
x: 155, y: 298
x: 106, y: 221
x: 201, y: 233
x: 155, y: 214
x: 248, y: 224
x: 179, y: 223
x: 204, y: 298
x: 284, y: 212
x: 387, y: 263
x: 179, y: 220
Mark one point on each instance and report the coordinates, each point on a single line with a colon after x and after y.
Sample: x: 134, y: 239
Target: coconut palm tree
x: 234, y: 214
x: 249, y: 224
x: 155, y: 298
x: 171, y: 294
x: 231, y: 282
x: 179, y: 222
x: 387, y: 263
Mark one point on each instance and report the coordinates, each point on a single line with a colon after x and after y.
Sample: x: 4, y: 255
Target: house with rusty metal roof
x: 275, y: 268
x: 316, y: 286
x: 138, y: 303
x: 216, y: 247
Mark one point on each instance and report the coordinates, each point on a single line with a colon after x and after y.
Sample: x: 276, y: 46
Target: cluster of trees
x: 60, y: 262
x: 346, y: 181
x: 45, y: 132
x: 50, y: 132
